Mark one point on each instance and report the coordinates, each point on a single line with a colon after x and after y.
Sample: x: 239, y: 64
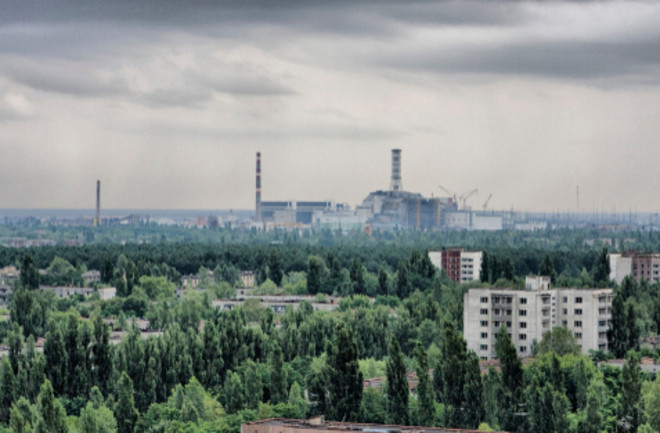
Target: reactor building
x: 396, y: 208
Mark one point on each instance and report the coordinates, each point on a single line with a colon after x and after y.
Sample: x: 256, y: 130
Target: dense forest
x: 205, y: 370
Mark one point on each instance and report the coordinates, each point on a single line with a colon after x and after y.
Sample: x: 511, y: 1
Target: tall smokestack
x: 257, y: 217
x: 395, y: 184
x: 97, y: 221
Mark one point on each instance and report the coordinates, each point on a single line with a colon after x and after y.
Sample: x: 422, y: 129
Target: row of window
x: 508, y: 300
x: 496, y: 323
x: 484, y: 347
x: 497, y: 312
x: 523, y: 325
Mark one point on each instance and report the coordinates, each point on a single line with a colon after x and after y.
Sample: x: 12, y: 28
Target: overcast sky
x: 167, y: 101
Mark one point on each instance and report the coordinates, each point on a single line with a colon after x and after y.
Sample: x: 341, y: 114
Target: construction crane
x: 467, y: 195
x: 487, y: 200
x: 451, y: 194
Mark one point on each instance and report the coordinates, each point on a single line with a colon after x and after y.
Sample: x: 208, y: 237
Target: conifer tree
x: 473, y: 409
x: 425, y: 400
x: 314, y: 270
x: 23, y: 416
x: 512, y: 379
x: 275, y: 271
x: 211, y: 357
x: 633, y: 328
x: 344, y: 376
x: 75, y: 358
x: 97, y: 419
x: 7, y: 385
x: 297, y: 401
x: 357, y: 276
x: 402, y: 283
x: 233, y: 393
x: 397, y: 386
x: 56, y: 359
x: 601, y: 268
x: 617, y: 334
x: 29, y: 273
x: 278, y: 379
x: 125, y: 411
x: 52, y: 418
x: 547, y: 269
x: 253, y: 385
x: 485, y: 272
x: 630, y: 412
x: 383, y: 281
x: 101, y: 363
x: 593, y: 418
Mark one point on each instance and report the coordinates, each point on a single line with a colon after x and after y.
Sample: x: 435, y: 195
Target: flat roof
x: 322, y: 424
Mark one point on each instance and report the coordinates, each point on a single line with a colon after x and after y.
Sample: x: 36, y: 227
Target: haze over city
x: 168, y: 101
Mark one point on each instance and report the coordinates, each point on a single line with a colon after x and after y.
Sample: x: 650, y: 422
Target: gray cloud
x: 105, y: 78
x: 61, y: 77
x: 81, y: 30
x: 562, y: 60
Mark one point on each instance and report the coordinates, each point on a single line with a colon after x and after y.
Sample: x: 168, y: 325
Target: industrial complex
x: 383, y: 209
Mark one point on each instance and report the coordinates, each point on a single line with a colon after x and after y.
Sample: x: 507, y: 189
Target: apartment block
x: 528, y: 314
x: 461, y: 266
x: 640, y: 265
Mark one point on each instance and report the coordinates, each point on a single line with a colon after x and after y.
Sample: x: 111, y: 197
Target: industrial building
x: 528, y: 314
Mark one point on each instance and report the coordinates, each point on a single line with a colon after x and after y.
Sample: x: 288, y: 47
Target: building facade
x: 640, y: 265
x: 528, y: 314
x: 460, y: 266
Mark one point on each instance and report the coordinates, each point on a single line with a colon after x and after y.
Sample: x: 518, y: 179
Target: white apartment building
x: 528, y: 314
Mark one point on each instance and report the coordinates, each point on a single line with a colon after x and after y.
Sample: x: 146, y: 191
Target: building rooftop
x: 282, y: 425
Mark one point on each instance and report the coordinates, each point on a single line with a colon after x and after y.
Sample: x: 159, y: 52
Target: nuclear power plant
x: 396, y: 208
x: 383, y: 209
x: 389, y: 209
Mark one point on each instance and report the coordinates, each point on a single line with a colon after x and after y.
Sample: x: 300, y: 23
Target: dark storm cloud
x: 580, y: 60
x: 123, y: 23
x: 190, y: 12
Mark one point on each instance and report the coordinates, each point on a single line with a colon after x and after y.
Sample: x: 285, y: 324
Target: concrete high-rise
x: 528, y: 314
